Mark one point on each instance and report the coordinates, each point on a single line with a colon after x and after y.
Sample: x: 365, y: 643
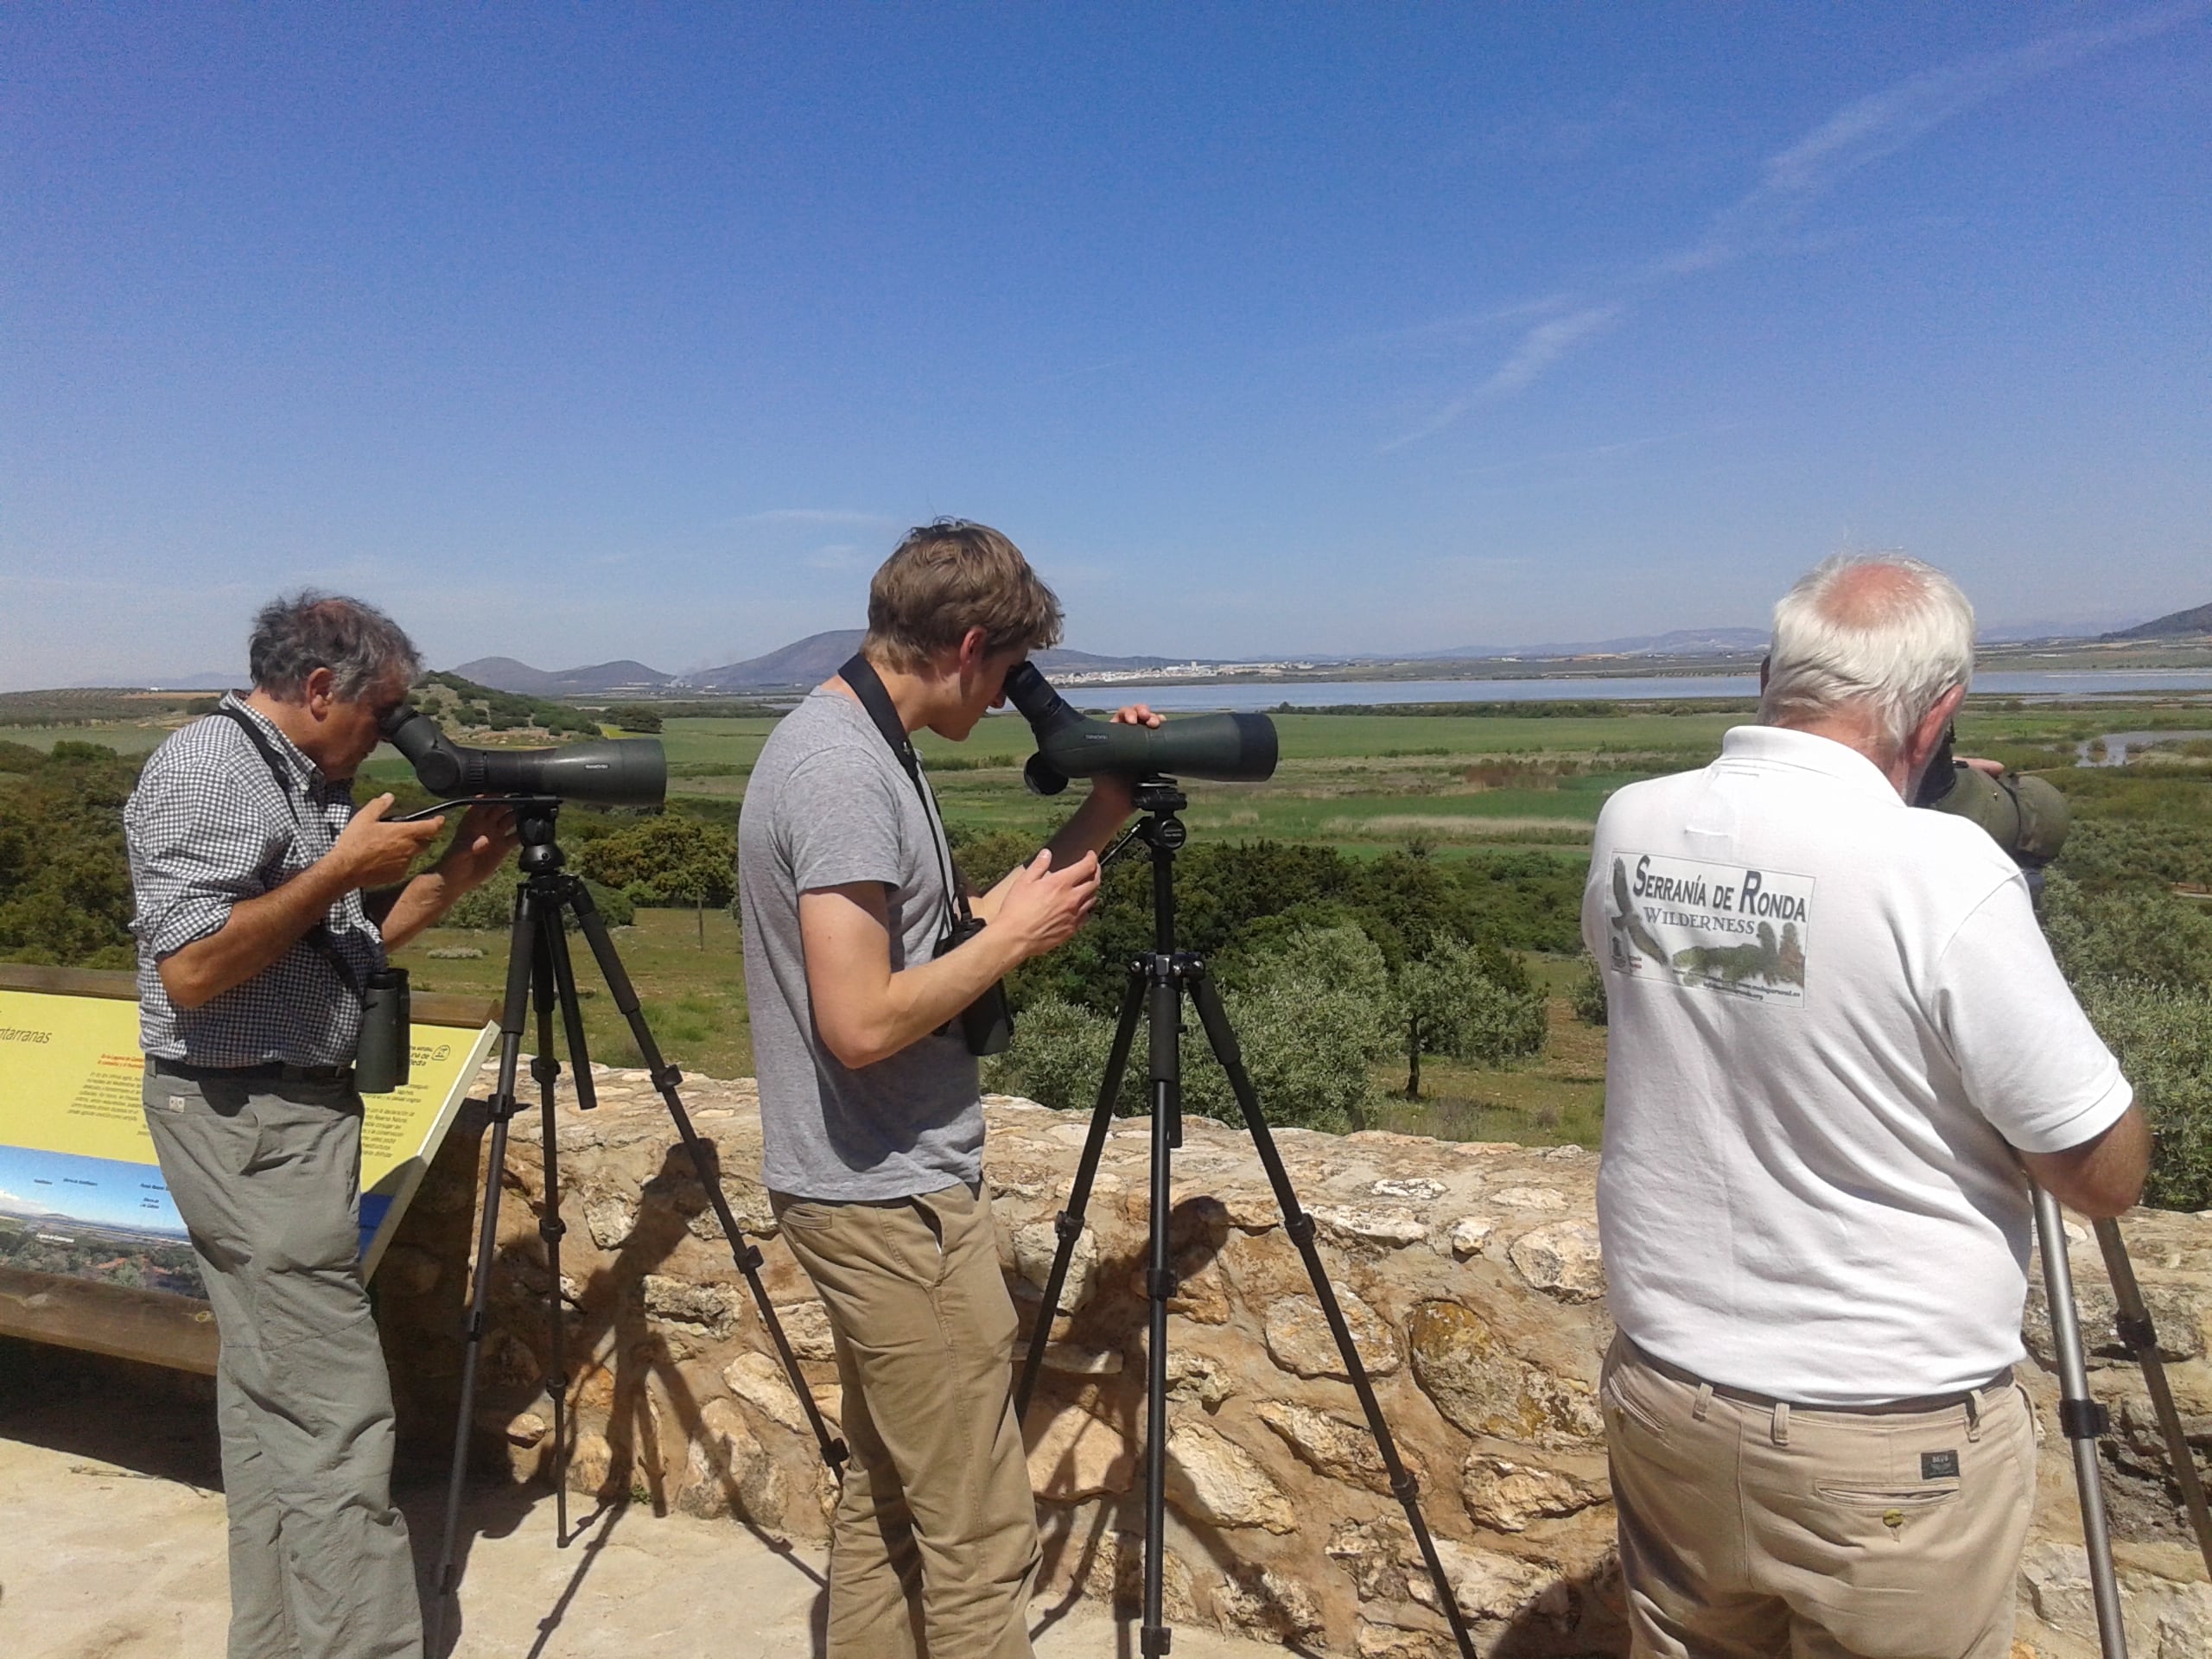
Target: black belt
x: 1767, y: 1401
x: 267, y: 1071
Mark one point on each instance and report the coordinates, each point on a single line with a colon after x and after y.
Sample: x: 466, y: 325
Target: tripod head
x: 1159, y: 798
x: 535, y: 817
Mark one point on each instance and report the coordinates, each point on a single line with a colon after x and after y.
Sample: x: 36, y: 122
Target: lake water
x: 2117, y: 744
x: 1310, y: 694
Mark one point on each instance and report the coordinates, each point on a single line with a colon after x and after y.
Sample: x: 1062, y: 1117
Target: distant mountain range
x: 803, y: 663
x: 1683, y: 642
x: 505, y: 674
x: 2174, y: 625
x: 809, y: 661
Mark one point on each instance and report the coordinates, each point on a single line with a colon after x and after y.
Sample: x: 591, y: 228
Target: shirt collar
x: 305, y: 771
x: 1767, y: 747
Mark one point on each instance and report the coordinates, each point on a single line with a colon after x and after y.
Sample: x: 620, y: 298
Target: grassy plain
x: 1452, y: 784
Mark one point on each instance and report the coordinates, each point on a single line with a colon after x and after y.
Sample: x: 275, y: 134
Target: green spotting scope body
x: 613, y: 772
x: 2026, y: 816
x: 1225, y: 748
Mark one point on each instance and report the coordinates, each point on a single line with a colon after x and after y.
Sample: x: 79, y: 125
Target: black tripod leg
x: 2141, y: 1336
x: 665, y: 1077
x: 547, y: 1070
x: 1069, y: 1225
x: 1165, y: 1013
x: 522, y: 957
x: 1299, y: 1226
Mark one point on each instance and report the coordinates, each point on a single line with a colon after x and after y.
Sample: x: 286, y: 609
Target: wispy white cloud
x: 1541, y: 345
x: 1871, y: 129
x: 1790, y: 183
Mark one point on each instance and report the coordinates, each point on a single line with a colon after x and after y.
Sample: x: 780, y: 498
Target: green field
x: 1454, y: 786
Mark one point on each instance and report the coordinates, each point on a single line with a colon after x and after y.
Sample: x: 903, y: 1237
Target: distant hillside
x: 815, y: 659
x: 1683, y: 642
x: 2178, y: 624
x: 505, y: 674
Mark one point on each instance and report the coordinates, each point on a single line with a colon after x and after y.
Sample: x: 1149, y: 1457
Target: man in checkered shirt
x: 262, y: 907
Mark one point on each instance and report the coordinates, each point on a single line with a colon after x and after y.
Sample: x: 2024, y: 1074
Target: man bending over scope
x: 873, y: 990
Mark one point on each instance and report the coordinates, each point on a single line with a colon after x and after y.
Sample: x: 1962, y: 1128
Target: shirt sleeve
x: 841, y: 822
x: 197, y: 847
x: 2031, y: 1063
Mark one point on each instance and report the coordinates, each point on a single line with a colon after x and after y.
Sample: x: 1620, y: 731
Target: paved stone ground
x: 112, y: 1547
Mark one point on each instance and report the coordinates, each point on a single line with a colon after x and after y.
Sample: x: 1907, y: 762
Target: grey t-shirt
x: 829, y: 804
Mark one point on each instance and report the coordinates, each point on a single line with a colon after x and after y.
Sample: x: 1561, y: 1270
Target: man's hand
x: 1039, y: 908
x: 371, y: 851
x: 486, y: 836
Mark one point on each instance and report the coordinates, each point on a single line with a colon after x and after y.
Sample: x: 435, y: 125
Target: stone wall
x: 1471, y: 1276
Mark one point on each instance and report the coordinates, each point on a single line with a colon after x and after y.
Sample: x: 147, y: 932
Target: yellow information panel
x: 81, y: 1193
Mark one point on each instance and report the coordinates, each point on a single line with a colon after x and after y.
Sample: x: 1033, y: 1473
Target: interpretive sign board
x: 81, y: 1195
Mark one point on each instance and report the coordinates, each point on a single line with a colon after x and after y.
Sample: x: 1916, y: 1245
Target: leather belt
x: 1767, y: 1401
x: 267, y: 1071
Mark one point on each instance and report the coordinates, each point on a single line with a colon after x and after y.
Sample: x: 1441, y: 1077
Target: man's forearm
x: 861, y: 1022
x: 260, y: 930
x: 420, y: 904
x: 1091, y: 825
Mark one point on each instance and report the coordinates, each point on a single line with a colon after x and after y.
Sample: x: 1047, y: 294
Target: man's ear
x: 1928, y: 736
x: 1766, y: 666
x: 974, y: 646
x: 318, y: 691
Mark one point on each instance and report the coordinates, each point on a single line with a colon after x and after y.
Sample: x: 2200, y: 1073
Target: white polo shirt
x: 1831, y: 1017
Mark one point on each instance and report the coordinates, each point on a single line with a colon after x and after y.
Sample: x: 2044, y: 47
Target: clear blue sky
x: 571, y: 333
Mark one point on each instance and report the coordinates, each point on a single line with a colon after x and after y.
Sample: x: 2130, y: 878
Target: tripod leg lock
x: 1406, y: 1487
x: 552, y: 1228
x: 1151, y: 1642
x: 500, y: 1108
x: 1067, y: 1225
x: 1301, y: 1228
x: 2083, y: 1420
x: 2138, y: 1334
x: 1161, y: 1287
x: 750, y: 1260
x: 668, y: 1077
x: 544, y: 1069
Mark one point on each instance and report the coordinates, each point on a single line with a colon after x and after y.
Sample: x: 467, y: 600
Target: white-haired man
x: 1836, y: 1037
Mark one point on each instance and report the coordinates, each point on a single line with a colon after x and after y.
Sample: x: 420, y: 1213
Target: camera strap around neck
x: 318, y: 938
x: 868, y: 685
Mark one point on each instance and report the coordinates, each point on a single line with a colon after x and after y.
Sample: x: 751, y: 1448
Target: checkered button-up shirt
x: 210, y: 825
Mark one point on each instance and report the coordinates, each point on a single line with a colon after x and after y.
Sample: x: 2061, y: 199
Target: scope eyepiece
x: 611, y: 771
x: 1226, y: 748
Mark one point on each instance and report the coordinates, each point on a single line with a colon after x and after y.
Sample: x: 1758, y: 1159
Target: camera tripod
x: 538, y: 969
x: 2083, y: 1421
x: 1158, y: 981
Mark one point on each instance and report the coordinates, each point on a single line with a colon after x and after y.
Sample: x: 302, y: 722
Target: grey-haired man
x: 1837, y: 1047
x: 258, y: 923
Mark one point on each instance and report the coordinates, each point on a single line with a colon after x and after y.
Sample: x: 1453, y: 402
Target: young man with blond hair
x: 871, y: 1115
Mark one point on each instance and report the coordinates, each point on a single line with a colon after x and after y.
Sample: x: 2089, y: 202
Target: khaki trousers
x: 933, y: 1549
x: 1755, y: 1531
x: 267, y: 1177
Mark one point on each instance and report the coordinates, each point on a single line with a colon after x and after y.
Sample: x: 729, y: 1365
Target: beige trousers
x: 1758, y: 1531
x: 933, y: 1549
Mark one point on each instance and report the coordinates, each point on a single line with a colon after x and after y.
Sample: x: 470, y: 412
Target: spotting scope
x: 614, y: 772
x: 1227, y: 749
x: 2026, y: 816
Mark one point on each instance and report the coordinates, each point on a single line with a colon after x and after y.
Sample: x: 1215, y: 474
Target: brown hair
x: 946, y: 578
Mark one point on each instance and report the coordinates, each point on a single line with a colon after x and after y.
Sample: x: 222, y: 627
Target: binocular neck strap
x: 868, y: 685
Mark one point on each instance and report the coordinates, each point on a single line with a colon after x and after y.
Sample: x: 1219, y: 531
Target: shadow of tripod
x: 539, y: 970
x: 1158, y: 981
